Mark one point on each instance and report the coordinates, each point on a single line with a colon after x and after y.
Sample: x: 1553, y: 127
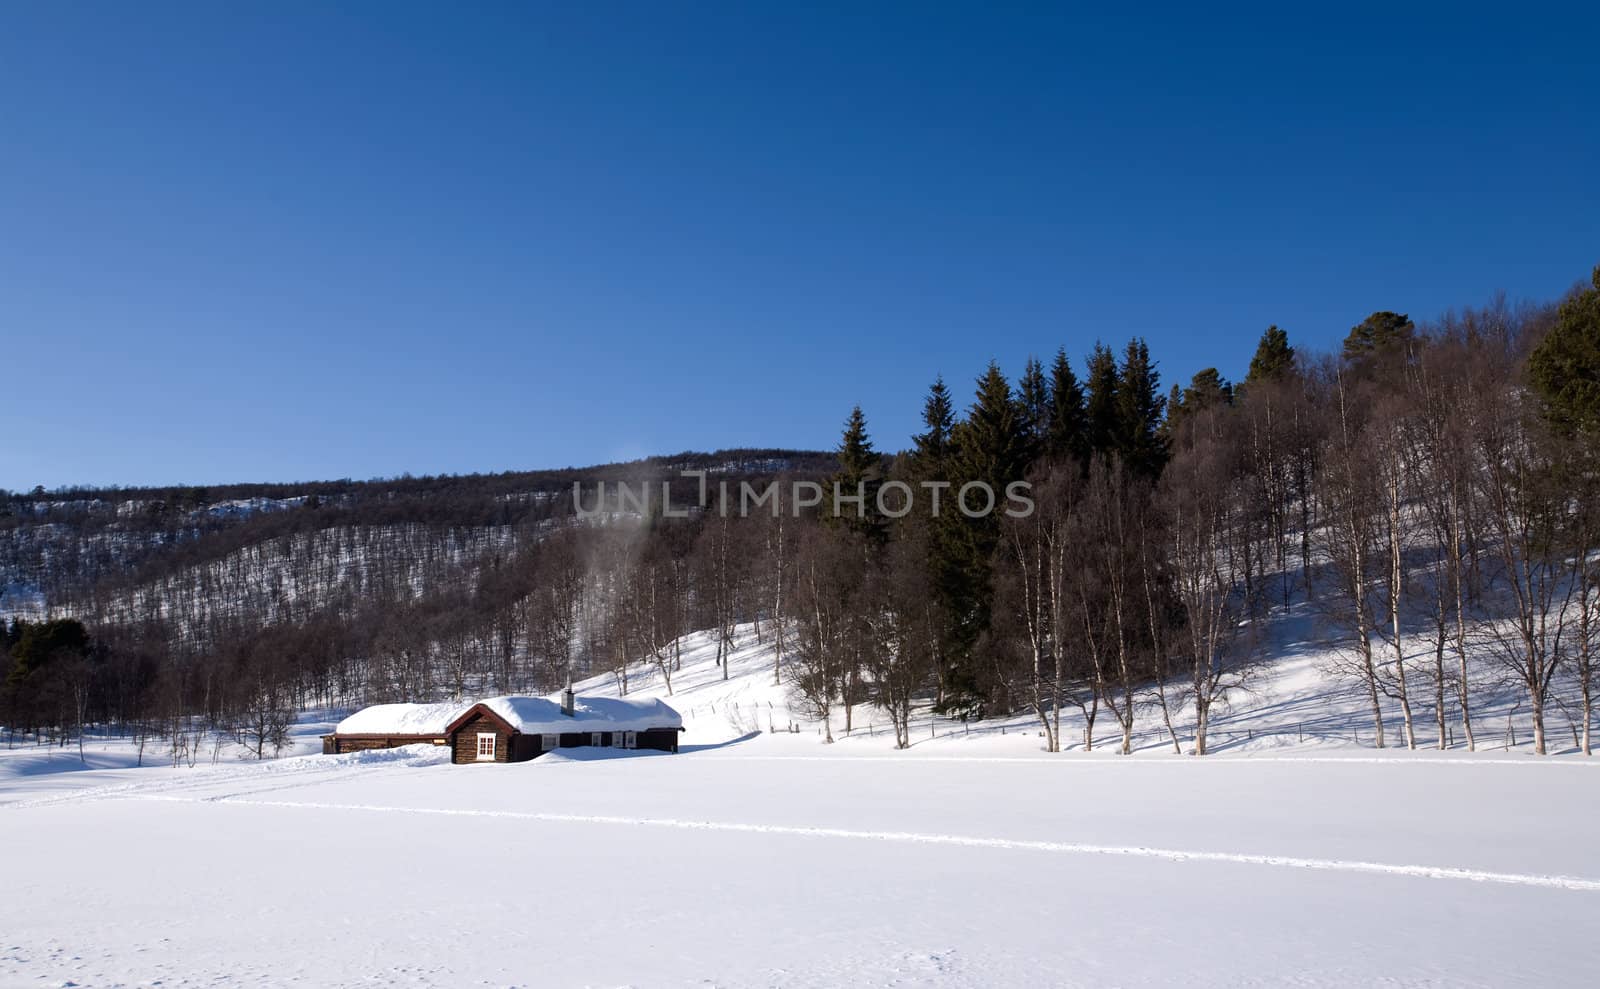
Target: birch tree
x: 1203, y: 516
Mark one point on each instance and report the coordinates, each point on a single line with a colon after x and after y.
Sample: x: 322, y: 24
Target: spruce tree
x: 991, y: 446
x: 1274, y: 358
x: 1100, y: 410
x: 860, y: 471
x: 944, y: 537
x: 1139, y: 406
x: 1565, y: 367
x: 1068, y: 435
x: 931, y: 448
x: 1033, y: 399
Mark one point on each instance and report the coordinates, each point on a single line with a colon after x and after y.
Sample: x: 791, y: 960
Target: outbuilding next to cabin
x: 511, y: 728
x: 388, y: 726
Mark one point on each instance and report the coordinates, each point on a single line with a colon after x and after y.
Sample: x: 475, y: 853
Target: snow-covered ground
x: 1293, y: 705
x: 774, y: 861
x: 762, y: 857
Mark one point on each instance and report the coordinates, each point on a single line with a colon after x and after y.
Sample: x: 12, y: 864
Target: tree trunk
x: 1438, y: 683
x: 1396, y: 578
x: 1166, y: 715
x: 1088, y: 723
x: 1588, y: 715
x: 1372, y: 691
x: 777, y: 610
x: 1463, y: 688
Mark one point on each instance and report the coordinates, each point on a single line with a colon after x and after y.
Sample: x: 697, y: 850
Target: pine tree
x: 38, y: 644
x: 1100, y: 409
x: 1068, y: 436
x: 1380, y: 335
x: 1207, y: 389
x: 1274, y: 358
x: 1139, y: 406
x: 1565, y: 367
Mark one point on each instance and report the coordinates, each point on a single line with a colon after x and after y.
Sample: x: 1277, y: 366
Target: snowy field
x: 1295, y: 856
x: 778, y: 862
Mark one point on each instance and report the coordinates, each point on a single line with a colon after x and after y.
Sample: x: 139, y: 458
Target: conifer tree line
x: 1425, y: 499
x: 1428, y: 494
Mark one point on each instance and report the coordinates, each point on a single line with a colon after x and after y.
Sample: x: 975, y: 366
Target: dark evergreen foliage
x: 859, y: 476
x: 992, y: 447
x: 931, y: 447
x: 1139, y: 408
x: 1102, y: 414
x: 1208, y: 389
x: 1274, y: 358
x: 1068, y: 436
x: 1033, y: 400
x: 1565, y: 367
x: 1379, y: 337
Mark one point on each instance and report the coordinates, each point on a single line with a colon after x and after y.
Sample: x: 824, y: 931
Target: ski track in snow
x: 1574, y: 883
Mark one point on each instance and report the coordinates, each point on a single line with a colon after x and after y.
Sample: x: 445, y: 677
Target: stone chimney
x: 568, y: 702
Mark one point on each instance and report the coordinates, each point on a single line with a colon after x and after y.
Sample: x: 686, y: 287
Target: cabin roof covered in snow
x: 530, y: 715
x: 537, y: 715
x: 401, y: 719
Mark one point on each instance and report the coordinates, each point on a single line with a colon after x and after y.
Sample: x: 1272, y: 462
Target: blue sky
x: 292, y: 241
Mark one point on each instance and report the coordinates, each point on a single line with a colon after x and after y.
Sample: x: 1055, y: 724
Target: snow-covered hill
x: 1294, y: 703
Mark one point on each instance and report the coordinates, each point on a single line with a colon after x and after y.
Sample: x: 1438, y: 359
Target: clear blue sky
x: 276, y: 242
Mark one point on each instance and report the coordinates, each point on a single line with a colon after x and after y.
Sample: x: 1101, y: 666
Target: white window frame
x: 494, y: 744
x: 597, y: 738
x: 630, y: 739
x: 548, y: 742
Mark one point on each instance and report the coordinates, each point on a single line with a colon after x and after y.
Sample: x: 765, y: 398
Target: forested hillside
x: 1430, y: 490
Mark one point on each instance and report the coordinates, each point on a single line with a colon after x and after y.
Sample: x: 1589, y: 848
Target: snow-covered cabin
x: 511, y: 729
x: 386, y: 726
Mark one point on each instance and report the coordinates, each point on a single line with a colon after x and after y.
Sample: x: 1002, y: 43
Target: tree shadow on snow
x: 708, y: 746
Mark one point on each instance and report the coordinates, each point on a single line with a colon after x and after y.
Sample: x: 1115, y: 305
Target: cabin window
x: 486, y: 745
x: 597, y: 738
x: 548, y: 742
x: 630, y: 739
